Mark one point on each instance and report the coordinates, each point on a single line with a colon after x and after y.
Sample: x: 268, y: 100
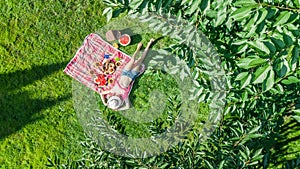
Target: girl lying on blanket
x: 118, y: 97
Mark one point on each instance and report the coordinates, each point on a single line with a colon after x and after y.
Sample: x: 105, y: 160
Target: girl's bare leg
x: 139, y: 62
x: 130, y: 64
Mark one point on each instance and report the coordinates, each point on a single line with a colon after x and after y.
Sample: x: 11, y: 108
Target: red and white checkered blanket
x: 86, y: 66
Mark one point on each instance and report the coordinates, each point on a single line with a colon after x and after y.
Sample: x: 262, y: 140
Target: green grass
x: 38, y: 38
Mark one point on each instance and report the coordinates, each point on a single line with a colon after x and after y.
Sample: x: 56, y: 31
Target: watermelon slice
x: 124, y: 40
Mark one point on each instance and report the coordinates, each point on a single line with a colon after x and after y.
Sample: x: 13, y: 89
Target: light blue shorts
x: 131, y: 74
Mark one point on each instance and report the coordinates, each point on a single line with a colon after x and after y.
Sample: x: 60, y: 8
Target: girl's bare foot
x: 150, y: 42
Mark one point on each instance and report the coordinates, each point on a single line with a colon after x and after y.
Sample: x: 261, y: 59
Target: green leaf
x: 253, y: 163
x: 135, y: 4
x: 257, y: 158
x: 245, y: 96
x: 278, y: 41
x: 241, y: 13
x: 295, y: 57
x: 290, y: 80
x: 297, y: 118
x: 270, y: 46
x: 242, y: 48
x: 194, y: 7
x: 204, y: 4
x: 295, y: 53
x: 245, y: 3
x: 244, y: 63
x: 247, y: 151
x: 291, y: 26
x: 251, y: 136
x: 251, y: 32
x: 261, y: 74
x: 245, y: 157
x: 208, y: 164
x: 221, y: 16
x: 211, y: 13
x: 251, y: 22
x: 246, y: 81
x: 250, y: 61
x: 256, y: 62
x: 297, y: 2
x: 255, y: 129
x: 259, y: 45
x: 240, y: 42
x: 108, y: 12
x: 285, y: 69
x: 241, y: 76
x: 279, y: 88
x: 287, y: 39
x: 269, y: 82
x: 164, y: 165
x: 220, y: 19
x: 296, y: 111
x: 158, y: 4
x: 257, y: 153
x: 221, y: 166
x: 282, y: 18
x: 263, y: 14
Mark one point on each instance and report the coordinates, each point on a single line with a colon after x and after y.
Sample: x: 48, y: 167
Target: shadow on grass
x: 17, y: 107
x: 282, y: 144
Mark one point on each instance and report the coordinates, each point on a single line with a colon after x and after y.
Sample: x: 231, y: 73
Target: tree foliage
x: 258, y: 43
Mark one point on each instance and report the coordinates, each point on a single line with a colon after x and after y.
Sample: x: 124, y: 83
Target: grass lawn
x: 37, y: 40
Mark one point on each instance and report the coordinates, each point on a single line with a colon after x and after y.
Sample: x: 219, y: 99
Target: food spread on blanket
x: 98, y: 65
x: 108, y: 66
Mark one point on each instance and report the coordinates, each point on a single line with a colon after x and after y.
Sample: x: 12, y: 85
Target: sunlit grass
x: 37, y: 119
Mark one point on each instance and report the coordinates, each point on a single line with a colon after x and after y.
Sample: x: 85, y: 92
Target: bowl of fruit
x: 124, y: 40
